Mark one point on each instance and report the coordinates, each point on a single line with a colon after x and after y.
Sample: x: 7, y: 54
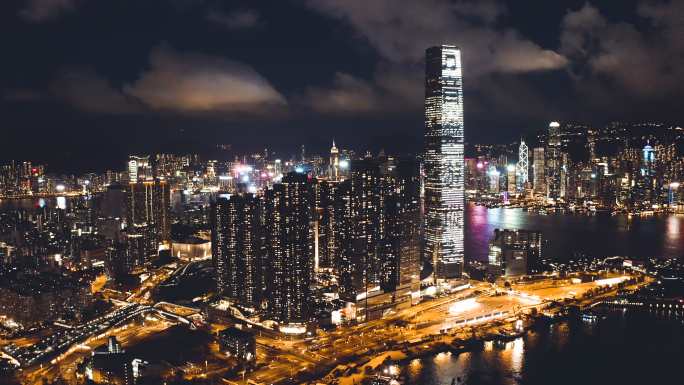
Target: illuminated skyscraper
x: 400, y: 231
x: 290, y: 248
x: 334, y: 162
x: 443, y: 161
x: 236, y: 247
x: 139, y: 168
x: 554, y: 162
x: 149, y: 203
x: 328, y: 232
x: 522, y: 168
x: 649, y: 159
x: 359, y: 209
x: 539, y: 171
x: 512, y: 179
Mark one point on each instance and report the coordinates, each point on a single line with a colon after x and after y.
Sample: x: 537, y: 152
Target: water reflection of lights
x: 518, y: 352
x: 442, y: 357
x: 415, y: 367
x: 672, y: 228
x: 392, y: 370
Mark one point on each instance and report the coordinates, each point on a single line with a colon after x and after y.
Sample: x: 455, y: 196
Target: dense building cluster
x: 33, y: 297
x: 276, y: 248
x: 634, y: 168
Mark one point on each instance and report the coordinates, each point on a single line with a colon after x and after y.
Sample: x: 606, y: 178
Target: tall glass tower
x: 554, y: 162
x: 443, y: 161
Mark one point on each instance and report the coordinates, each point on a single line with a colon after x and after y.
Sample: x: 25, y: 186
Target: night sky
x: 85, y: 82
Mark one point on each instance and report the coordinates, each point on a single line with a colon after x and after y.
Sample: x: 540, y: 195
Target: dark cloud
x: 84, y: 89
x: 185, y: 83
x: 597, y: 62
x: 37, y: 11
x: 240, y: 19
x: 196, y: 83
x: 348, y: 94
x: 391, y: 89
x: 22, y: 95
x: 400, y: 31
x: 644, y: 62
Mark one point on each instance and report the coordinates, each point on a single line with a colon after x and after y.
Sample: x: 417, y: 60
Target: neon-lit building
x: 443, y: 161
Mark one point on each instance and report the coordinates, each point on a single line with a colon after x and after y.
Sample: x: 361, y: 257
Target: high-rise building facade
x: 236, y: 248
x: 539, y: 171
x: 554, y: 162
x: 400, y: 242
x: 334, y: 171
x: 290, y: 247
x: 443, y: 162
x: 359, y: 204
x: 139, y: 168
x: 512, y: 177
x: 148, y: 203
x: 522, y: 167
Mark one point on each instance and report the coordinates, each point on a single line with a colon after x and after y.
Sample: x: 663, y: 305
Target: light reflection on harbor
x: 567, y: 236
x: 566, y: 353
x: 517, y: 348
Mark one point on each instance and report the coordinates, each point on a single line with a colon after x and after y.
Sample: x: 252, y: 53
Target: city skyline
x: 352, y: 86
x: 338, y: 192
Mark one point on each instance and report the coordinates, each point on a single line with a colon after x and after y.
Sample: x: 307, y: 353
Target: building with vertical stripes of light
x: 554, y: 162
x: 443, y: 162
x: 236, y: 247
x: 290, y: 209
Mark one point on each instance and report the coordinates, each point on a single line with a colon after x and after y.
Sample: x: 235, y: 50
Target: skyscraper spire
x: 334, y: 167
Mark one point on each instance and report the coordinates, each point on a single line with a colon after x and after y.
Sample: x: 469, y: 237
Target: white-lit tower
x: 443, y: 162
x: 522, y: 168
x: 334, y: 162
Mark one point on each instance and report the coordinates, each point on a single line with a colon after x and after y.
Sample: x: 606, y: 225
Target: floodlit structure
x: 444, y: 165
x: 522, y: 167
x: 334, y: 172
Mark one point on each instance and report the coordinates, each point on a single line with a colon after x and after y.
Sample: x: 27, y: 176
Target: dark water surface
x: 626, y: 349
x: 566, y: 235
